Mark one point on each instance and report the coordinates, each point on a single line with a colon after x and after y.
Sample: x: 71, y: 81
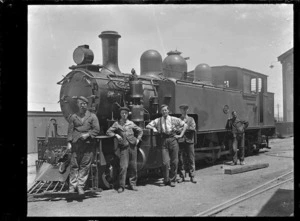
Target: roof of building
x: 44, y: 113
x: 233, y: 67
x: 285, y: 54
x: 243, y: 69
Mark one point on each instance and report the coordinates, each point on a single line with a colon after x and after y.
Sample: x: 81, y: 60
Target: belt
x: 163, y: 135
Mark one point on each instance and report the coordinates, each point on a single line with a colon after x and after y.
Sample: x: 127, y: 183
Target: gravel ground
x: 186, y: 199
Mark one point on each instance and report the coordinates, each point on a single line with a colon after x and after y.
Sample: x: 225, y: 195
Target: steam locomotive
x: 211, y: 93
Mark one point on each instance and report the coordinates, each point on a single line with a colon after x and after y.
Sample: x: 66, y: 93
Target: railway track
x: 258, y: 190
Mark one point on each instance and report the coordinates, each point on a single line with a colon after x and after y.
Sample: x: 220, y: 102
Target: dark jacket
x: 236, y: 126
x: 189, y: 134
x: 126, y: 132
x: 76, y: 128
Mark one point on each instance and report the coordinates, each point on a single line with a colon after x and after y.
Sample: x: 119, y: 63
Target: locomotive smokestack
x: 110, y: 52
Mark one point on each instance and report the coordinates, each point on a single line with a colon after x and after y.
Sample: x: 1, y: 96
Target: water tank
x: 202, y: 74
x: 174, y: 65
x: 151, y: 63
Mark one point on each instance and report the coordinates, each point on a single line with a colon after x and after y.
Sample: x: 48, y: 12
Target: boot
x: 193, y: 180
x: 180, y: 180
x: 133, y: 188
x: 120, y: 190
x: 167, y: 183
x: 172, y: 184
x: 80, y: 191
x: 71, y: 189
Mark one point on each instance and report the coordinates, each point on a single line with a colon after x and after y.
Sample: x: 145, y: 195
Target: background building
x: 287, y: 61
x: 41, y: 122
x: 286, y: 128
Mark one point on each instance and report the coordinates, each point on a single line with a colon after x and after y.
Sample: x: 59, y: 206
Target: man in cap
x: 186, y: 146
x: 237, y: 128
x: 167, y: 126
x: 83, y: 127
x: 124, y: 130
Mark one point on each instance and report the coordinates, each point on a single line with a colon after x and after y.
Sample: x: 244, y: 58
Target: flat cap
x: 83, y: 99
x: 124, y: 108
x: 163, y: 105
x: 184, y: 106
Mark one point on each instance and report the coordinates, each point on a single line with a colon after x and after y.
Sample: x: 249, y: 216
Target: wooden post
x: 246, y: 168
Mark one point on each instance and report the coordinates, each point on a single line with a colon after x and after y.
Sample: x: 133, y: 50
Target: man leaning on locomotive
x: 84, y: 127
x: 167, y: 126
x: 124, y: 130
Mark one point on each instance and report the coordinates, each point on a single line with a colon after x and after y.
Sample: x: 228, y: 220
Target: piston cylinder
x: 137, y: 113
x: 136, y: 89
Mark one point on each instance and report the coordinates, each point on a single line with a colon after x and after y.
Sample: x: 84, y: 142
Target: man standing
x: 237, y: 128
x: 83, y: 127
x: 167, y: 126
x: 186, y: 155
x: 124, y: 130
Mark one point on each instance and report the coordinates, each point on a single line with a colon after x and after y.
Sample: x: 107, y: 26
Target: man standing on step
x: 83, y: 128
x: 237, y: 129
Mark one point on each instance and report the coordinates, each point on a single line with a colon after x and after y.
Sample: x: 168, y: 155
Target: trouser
x: 81, y: 159
x: 238, y: 143
x: 170, y: 158
x: 128, y: 157
x: 186, y: 159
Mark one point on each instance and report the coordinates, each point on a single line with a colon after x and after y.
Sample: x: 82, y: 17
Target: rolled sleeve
x: 154, y: 123
x: 179, y: 122
x: 191, y: 125
x: 138, y: 130
x: 95, y: 127
x: 70, y: 130
x: 112, y: 129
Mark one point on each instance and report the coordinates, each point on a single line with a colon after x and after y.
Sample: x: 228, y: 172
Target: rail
x: 245, y: 196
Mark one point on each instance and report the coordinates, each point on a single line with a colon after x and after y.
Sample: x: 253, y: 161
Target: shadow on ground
x: 69, y: 197
x: 280, y: 204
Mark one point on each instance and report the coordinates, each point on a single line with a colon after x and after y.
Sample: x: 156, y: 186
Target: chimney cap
x: 109, y: 33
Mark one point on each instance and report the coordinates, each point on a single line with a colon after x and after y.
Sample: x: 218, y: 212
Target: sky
x: 249, y: 36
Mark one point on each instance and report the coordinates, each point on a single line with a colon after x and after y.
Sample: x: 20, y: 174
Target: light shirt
x: 168, y: 125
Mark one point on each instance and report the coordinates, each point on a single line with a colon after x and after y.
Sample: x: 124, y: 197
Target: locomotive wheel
x: 104, y: 178
x: 213, y: 158
x: 108, y: 174
x: 228, y: 156
x: 210, y: 160
x: 256, y: 151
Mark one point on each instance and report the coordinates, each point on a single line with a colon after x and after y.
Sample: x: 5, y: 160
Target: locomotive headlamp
x: 83, y: 55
